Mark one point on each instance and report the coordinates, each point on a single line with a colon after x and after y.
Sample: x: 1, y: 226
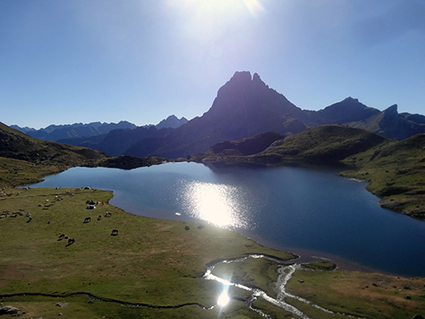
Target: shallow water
x: 304, y: 208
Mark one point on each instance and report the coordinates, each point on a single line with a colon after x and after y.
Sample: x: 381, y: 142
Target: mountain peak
x: 392, y: 110
x: 171, y: 122
x: 242, y: 81
x: 350, y: 99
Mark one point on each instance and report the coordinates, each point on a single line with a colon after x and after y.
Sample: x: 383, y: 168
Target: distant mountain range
x: 93, y: 134
x: 245, y: 106
x: 55, y: 133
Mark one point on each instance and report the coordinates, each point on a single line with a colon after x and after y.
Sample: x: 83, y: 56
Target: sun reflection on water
x: 221, y: 205
x: 224, y: 299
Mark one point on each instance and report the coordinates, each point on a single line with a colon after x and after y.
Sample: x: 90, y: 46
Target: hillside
x: 395, y: 172
x: 323, y: 144
x: 17, y: 145
x: 227, y: 149
x: 327, y: 144
x: 25, y: 160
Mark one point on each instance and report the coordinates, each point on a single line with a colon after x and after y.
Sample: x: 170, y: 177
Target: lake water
x: 303, y: 208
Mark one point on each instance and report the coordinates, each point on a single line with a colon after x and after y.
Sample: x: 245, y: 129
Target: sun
x: 209, y: 20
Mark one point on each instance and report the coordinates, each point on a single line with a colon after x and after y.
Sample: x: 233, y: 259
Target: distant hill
x: 117, y: 142
x: 327, y: 144
x: 227, y: 149
x: 323, y: 144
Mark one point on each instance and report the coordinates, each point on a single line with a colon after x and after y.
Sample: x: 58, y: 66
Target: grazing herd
x: 21, y: 212
x: 91, y: 205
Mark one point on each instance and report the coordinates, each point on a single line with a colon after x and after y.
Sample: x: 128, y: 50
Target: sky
x: 71, y: 61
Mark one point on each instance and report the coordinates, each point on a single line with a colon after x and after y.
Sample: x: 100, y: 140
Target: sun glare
x: 224, y: 299
x: 215, y: 203
x: 208, y: 20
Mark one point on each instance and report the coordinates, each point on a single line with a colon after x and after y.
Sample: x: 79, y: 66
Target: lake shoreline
x: 328, y: 216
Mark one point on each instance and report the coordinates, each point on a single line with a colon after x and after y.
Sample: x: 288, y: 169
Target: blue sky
x: 102, y: 60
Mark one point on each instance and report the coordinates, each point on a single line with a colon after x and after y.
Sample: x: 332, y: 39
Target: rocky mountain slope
x: 246, y: 106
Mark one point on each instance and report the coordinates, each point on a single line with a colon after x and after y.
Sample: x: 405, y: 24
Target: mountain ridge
x: 245, y: 106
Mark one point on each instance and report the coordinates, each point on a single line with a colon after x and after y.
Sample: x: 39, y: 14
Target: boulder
x: 9, y: 310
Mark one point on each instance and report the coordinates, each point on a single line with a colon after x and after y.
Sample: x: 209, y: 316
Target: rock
x: 186, y: 227
x: 62, y: 304
x: 9, y: 310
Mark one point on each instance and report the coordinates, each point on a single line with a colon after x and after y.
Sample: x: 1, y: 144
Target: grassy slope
x: 323, y: 144
x: 395, y: 172
x: 25, y: 160
x: 359, y: 294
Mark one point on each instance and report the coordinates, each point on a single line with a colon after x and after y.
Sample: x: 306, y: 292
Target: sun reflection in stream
x: 224, y: 299
x: 218, y: 204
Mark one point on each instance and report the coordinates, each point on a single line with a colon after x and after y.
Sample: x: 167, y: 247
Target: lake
x: 299, y: 207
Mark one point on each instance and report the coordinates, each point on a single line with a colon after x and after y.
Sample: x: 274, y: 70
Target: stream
x: 285, y: 274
